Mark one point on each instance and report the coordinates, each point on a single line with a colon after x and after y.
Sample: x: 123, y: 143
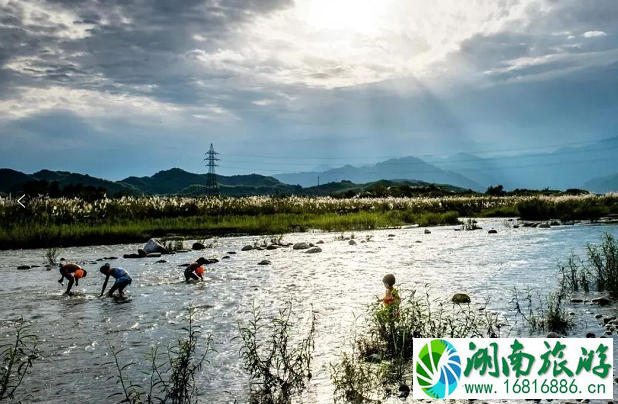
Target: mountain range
x: 592, y: 167
x: 568, y: 167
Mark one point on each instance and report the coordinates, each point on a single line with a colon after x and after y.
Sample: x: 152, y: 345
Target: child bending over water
x: 195, y: 270
x: 73, y: 273
x: 120, y: 275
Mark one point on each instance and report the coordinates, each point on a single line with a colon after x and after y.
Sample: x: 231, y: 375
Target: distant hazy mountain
x: 568, y: 167
x: 603, y: 184
x: 407, y: 168
x: 473, y: 167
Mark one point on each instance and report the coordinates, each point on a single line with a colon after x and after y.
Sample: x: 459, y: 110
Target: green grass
x: 125, y: 231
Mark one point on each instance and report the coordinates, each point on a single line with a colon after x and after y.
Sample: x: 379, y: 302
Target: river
x: 75, y: 332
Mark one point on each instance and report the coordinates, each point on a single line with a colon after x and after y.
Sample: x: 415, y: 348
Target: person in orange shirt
x: 195, y: 270
x: 391, y: 298
x: 73, y: 273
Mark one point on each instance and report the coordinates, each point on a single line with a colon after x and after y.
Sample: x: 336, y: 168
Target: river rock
x: 247, y: 248
x: 577, y: 300
x: 154, y: 255
x: 493, y: 231
x: 23, y: 267
x: 301, y: 246
x: 142, y: 253
x: 555, y: 223
x: 264, y: 262
x: 314, y: 250
x: 320, y: 242
x: 601, y: 301
x: 597, y: 316
x: 211, y: 260
x: 553, y: 335
x: 392, y: 235
x: 258, y: 248
x: 272, y: 247
x: 352, y: 242
x: 161, y: 262
x: 544, y: 226
x: 153, y: 245
x: 198, y: 246
x: 590, y: 335
x: 231, y: 252
x: 427, y: 231
x: 225, y: 257
x: 181, y: 251
x: 606, y: 320
x: 418, y: 241
x: 35, y: 266
x: 460, y: 298
x: 516, y: 226
x: 131, y: 256
x: 184, y: 265
x: 111, y: 258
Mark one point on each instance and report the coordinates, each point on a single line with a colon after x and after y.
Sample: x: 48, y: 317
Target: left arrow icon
x: 19, y: 201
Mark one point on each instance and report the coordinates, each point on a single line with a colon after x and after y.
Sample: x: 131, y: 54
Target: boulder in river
x: 352, y: 242
x: 154, y: 255
x: 601, y: 301
x: 320, y: 242
x: 264, y: 262
x: 272, y: 247
x: 314, y: 250
x: 153, y: 245
x: 590, y: 335
x: 23, y: 267
x: 301, y: 246
x: 493, y: 231
x: 198, y: 246
x: 460, y: 298
x: 391, y: 235
x: 427, y: 231
x: 544, y: 226
x: 606, y: 320
x: 211, y: 260
x: 577, y: 300
x: 231, y: 252
x: 247, y: 248
x: 225, y: 257
x: 161, y: 262
x: 142, y: 253
x: 131, y: 256
x: 553, y: 335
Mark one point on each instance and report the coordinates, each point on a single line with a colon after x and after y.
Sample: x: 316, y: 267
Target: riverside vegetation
x: 48, y: 222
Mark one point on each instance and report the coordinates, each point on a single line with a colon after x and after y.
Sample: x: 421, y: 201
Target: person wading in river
x: 195, y: 270
x: 73, y: 273
x: 120, y: 275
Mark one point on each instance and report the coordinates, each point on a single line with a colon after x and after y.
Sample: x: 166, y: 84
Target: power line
x: 423, y: 155
x: 515, y: 167
x: 412, y: 163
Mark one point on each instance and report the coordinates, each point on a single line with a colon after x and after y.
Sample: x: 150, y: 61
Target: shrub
x: 16, y: 358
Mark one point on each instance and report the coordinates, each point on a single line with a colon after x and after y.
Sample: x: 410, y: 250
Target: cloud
x: 593, y: 34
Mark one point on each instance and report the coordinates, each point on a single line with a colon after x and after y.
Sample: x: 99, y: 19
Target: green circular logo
x: 438, y: 368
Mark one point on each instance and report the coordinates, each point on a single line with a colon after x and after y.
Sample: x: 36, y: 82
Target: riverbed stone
x: 22, y: 267
x: 352, y: 242
x: 231, y: 252
x: 313, y: 250
x: 225, y: 257
x: 553, y: 335
x: 598, y: 315
x: 601, y: 301
x: 154, y: 255
x: 211, y: 260
x: 264, y: 262
x: 320, y: 242
x: 460, y: 298
x: 142, y: 253
x: 161, y: 262
x: 607, y: 319
x: 577, y: 300
x: 181, y: 251
x: 427, y: 231
x: 590, y: 335
x: 198, y: 246
x: 391, y: 235
x: 247, y: 248
x: 131, y: 256
x: 301, y: 246
x: 493, y: 231
x: 544, y: 226
x: 272, y: 247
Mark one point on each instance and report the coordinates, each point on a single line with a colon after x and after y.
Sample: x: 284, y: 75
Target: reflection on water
x: 75, y: 332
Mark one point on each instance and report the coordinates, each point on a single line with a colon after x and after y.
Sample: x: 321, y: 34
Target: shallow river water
x: 75, y: 332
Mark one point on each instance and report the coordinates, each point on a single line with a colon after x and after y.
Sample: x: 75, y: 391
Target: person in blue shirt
x: 120, y: 275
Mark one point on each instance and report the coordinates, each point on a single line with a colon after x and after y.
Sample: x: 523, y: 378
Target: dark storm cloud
x: 117, y: 43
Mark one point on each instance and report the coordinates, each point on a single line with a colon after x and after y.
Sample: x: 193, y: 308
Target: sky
x: 118, y: 88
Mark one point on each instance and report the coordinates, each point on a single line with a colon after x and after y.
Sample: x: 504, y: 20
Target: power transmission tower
x: 212, y: 188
